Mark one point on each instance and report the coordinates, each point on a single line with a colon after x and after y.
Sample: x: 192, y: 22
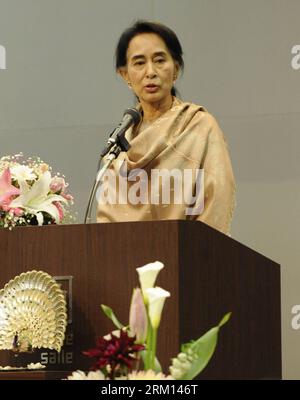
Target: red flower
x: 116, y: 352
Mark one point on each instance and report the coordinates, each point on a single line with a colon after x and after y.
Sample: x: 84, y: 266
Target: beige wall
x: 59, y: 98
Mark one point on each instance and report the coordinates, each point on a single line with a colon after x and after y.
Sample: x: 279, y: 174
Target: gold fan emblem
x: 32, y: 313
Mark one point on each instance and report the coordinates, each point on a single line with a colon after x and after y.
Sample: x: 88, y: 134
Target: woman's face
x: 150, y: 68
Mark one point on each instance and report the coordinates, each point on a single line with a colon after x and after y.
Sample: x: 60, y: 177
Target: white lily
x: 147, y: 276
x: 36, y: 199
x: 156, y: 297
x: 22, y: 172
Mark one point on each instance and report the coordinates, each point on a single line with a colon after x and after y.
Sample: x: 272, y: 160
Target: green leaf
x: 111, y: 315
x: 224, y: 319
x: 186, y: 346
x: 195, y: 355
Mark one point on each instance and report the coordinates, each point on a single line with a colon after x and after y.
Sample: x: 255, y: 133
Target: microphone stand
x: 113, y: 149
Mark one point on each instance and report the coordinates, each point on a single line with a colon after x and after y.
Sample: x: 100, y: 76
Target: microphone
x: 131, y: 116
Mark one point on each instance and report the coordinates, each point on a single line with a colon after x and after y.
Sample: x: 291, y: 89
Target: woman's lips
x: 151, y: 88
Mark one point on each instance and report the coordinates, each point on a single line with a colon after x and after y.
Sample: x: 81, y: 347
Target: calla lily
x: 7, y: 190
x: 36, y: 199
x: 156, y: 297
x: 138, y: 322
x: 147, y: 276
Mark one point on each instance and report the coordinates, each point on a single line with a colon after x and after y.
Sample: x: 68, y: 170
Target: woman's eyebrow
x: 137, y: 56
x: 158, y: 53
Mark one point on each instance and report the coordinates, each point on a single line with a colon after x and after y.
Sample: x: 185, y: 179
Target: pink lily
x: 58, y: 185
x: 18, y: 212
x: 7, y: 190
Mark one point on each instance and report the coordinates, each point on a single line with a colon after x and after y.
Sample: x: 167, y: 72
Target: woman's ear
x: 124, y: 74
x: 177, y: 69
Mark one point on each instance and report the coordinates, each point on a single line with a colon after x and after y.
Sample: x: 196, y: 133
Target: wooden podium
x: 207, y: 273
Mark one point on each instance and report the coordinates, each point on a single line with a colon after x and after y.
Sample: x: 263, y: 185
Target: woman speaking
x: 178, y: 166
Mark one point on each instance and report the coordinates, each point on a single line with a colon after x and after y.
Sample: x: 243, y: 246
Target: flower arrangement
x: 29, y: 195
x: 130, y: 351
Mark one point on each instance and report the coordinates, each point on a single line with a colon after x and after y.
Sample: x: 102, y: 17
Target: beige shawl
x: 186, y: 137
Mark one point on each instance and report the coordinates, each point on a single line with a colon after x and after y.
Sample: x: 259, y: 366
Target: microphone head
x: 134, y: 113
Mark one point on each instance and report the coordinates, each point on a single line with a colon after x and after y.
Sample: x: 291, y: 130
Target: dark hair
x: 143, y: 26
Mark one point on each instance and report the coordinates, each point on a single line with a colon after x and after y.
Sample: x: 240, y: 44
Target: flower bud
x: 138, y: 322
x: 175, y: 372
